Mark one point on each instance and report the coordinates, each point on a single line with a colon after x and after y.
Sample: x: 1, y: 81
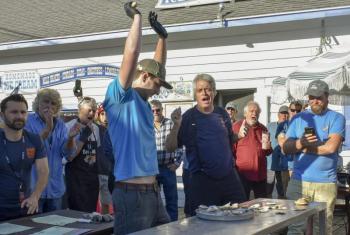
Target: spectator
x: 315, y: 152
x: 277, y: 165
x: 58, y: 143
x: 103, y: 162
x: 136, y: 198
x: 232, y: 111
x: 251, y: 150
x: 294, y: 108
x: 19, y: 150
x: 206, y: 132
x: 167, y: 162
x: 81, y: 169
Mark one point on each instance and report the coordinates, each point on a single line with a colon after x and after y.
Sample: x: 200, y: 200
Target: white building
x: 245, y: 45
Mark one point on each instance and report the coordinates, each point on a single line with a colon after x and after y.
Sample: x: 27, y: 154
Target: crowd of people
x: 124, y: 150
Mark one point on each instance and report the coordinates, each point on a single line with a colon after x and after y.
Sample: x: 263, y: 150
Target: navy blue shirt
x: 207, y: 138
x: 33, y: 149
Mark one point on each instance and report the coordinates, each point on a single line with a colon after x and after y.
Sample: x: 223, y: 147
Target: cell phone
x: 310, y: 130
x: 77, y: 90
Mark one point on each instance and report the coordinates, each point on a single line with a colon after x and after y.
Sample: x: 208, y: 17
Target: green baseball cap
x: 155, y: 68
x: 317, y: 88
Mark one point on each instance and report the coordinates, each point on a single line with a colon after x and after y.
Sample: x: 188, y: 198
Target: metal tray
x: 210, y: 216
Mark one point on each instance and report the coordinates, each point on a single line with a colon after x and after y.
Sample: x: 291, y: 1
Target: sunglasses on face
x: 231, y: 109
x: 156, y: 110
x: 295, y: 110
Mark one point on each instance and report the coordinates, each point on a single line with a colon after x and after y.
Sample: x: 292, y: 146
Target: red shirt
x: 250, y: 157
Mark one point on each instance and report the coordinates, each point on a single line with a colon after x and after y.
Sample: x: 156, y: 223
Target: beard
x: 317, y: 109
x: 17, y: 124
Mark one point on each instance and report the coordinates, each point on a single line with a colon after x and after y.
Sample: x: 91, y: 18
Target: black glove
x: 84, y: 135
x: 157, y: 27
x: 130, y: 10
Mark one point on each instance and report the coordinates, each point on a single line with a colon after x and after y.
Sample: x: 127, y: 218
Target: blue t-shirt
x: 33, y: 149
x: 282, y: 128
x: 271, y: 127
x: 210, y: 149
x: 55, y: 147
x: 311, y: 167
x: 279, y: 161
x: 130, y: 126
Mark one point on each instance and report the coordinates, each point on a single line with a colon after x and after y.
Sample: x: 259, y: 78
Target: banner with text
x: 89, y: 71
x: 25, y: 82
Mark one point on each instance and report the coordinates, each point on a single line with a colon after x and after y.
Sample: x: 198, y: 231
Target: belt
x: 136, y: 187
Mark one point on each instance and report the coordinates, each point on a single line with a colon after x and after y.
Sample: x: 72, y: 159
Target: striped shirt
x: 165, y: 158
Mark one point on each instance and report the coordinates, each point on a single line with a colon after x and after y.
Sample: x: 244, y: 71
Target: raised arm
x: 160, y: 54
x: 171, y: 140
x: 132, y: 47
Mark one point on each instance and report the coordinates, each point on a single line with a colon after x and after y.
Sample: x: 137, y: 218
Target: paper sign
x: 7, y: 228
x: 55, y: 220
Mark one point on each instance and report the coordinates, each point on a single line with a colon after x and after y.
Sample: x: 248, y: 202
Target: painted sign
x: 168, y: 4
x: 26, y: 82
x: 89, y: 71
x: 182, y: 91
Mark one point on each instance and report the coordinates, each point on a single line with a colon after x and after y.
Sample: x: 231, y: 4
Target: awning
x: 332, y: 67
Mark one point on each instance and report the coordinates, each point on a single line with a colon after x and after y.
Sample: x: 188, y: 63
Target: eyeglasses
x: 156, y: 110
x: 231, y: 109
x: 295, y: 110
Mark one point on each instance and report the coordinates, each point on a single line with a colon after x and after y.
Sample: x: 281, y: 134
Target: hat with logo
x: 317, y: 88
x: 157, y: 69
x: 232, y: 105
x: 283, y: 109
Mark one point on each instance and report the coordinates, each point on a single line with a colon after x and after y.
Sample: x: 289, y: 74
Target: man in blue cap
x: 314, y: 137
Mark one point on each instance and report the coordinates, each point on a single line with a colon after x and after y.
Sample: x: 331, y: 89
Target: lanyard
x: 18, y: 176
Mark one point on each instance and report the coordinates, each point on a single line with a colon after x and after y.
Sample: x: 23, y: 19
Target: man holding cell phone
x: 314, y: 137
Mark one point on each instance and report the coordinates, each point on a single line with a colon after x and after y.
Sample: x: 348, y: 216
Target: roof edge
x: 193, y: 26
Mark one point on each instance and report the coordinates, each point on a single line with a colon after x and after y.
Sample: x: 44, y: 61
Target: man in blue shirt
x: 276, y: 166
x: 136, y: 198
x: 314, y: 136
x: 19, y: 150
x: 58, y: 143
x: 206, y: 132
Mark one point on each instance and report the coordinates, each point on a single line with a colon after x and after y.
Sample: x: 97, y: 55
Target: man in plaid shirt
x: 167, y: 162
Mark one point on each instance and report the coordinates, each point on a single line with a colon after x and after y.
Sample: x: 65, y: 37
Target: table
x: 344, y: 193
x: 95, y: 228
x: 262, y: 223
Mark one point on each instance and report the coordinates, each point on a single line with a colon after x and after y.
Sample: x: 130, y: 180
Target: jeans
x: 270, y: 183
x: 49, y: 204
x: 205, y: 190
x: 186, y: 174
x: 282, y: 179
x: 137, y: 210
x: 167, y: 179
x: 318, y: 192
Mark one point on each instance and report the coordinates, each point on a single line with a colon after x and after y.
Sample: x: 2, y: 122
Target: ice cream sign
x: 26, y: 81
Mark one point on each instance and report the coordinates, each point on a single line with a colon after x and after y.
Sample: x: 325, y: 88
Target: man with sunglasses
x: 276, y: 165
x: 167, y: 162
x: 314, y: 137
x: 58, y: 142
x: 136, y: 198
x: 295, y: 107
